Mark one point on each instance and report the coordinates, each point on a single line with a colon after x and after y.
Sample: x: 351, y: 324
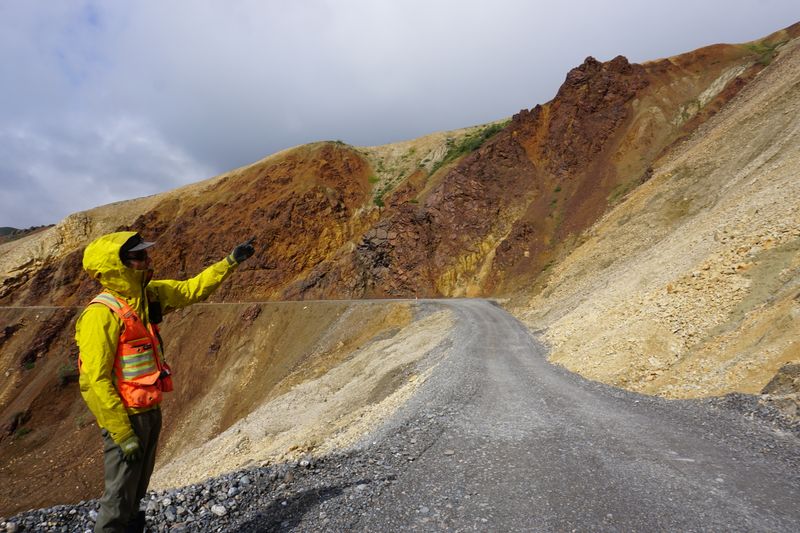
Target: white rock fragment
x: 219, y: 510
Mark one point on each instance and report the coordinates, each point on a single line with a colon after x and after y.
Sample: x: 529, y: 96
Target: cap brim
x: 144, y: 245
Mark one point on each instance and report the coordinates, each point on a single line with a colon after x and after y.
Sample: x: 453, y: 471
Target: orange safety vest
x: 140, y: 372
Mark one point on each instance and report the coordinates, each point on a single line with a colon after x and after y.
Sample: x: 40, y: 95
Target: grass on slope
x: 468, y: 144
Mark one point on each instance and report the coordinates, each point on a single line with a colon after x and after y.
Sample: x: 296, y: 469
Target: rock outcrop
x: 689, y: 287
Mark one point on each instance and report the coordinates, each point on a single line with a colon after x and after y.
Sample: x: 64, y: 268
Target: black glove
x: 242, y: 252
x: 131, y: 449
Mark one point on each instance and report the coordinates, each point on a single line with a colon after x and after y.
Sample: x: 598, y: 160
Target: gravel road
x: 528, y: 446
x: 498, y: 439
x: 501, y: 440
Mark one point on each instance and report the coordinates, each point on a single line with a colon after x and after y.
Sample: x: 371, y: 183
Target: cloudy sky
x: 108, y: 100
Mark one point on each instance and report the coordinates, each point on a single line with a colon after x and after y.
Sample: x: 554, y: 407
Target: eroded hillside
x: 257, y: 383
x: 645, y: 220
x: 691, y: 287
x: 480, y: 211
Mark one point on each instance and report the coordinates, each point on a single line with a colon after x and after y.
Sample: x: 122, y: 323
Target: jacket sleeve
x: 176, y: 294
x: 97, y: 334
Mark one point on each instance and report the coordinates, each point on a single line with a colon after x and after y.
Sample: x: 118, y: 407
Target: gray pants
x: 126, y: 483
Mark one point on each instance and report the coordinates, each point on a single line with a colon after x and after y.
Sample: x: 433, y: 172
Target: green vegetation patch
x: 66, y: 374
x: 378, y: 198
x: 468, y: 144
x: 380, y: 191
x: 620, y: 191
x: 766, y: 52
x: 21, y: 432
x: 409, y: 154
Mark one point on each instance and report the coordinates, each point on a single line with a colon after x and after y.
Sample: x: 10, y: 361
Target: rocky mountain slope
x: 11, y: 234
x: 691, y: 287
x: 465, y: 213
x: 645, y: 220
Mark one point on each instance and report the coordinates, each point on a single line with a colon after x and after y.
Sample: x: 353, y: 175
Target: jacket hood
x: 101, y: 260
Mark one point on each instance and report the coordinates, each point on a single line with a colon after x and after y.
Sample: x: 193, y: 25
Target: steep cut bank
x: 493, y: 220
x: 255, y: 383
x: 691, y: 287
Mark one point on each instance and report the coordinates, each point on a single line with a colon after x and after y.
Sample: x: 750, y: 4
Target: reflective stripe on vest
x: 139, y: 358
x: 107, y: 299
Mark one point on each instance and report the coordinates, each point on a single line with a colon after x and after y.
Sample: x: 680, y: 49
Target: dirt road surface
x: 499, y: 439
x: 522, y: 445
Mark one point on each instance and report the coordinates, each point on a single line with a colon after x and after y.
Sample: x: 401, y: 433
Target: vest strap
x: 139, y: 370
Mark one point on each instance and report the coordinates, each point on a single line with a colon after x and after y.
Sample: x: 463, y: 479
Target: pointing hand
x: 242, y: 252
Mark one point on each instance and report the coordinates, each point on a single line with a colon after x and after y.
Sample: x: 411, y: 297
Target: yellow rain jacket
x: 97, y: 331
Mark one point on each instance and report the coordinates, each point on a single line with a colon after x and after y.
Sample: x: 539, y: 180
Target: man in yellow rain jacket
x: 123, y: 374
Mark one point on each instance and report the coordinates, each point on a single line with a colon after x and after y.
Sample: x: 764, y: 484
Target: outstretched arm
x: 176, y: 294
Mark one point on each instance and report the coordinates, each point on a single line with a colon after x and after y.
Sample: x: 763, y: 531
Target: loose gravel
x: 394, y: 477
x: 314, y: 494
x: 323, y: 494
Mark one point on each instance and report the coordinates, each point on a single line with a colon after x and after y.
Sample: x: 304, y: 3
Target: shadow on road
x: 283, y: 514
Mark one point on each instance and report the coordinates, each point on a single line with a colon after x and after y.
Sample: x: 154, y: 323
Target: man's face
x: 138, y: 260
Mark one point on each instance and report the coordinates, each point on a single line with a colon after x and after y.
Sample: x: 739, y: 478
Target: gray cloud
x: 79, y: 166
x: 106, y: 101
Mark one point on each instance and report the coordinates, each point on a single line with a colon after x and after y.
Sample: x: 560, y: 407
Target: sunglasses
x: 140, y: 255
